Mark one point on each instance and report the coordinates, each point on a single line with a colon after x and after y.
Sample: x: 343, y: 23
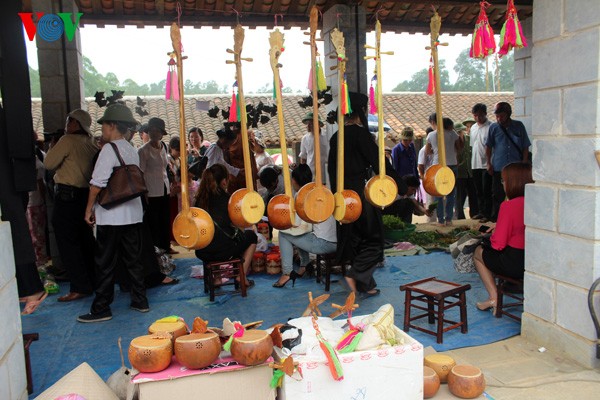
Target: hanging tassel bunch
x: 511, y: 35
x: 345, y: 107
x: 373, y: 96
x: 172, y: 84
x: 335, y: 367
x: 431, y: 86
x: 349, y: 341
x: 234, y: 111
x: 483, y: 43
x: 321, y: 82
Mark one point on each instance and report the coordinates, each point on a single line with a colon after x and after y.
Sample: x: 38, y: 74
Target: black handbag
x: 125, y: 183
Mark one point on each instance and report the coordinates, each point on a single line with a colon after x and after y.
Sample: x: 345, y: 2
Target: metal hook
x: 275, y: 16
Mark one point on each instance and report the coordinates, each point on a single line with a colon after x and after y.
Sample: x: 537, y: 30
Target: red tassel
x: 233, y: 108
x: 431, y: 86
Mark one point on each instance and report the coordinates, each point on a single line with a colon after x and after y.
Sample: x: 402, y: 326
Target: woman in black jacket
x: 229, y: 241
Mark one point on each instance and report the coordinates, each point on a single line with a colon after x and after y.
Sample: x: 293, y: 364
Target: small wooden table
x: 439, y: 297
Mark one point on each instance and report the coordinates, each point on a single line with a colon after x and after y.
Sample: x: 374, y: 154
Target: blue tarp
x: 65, y: 343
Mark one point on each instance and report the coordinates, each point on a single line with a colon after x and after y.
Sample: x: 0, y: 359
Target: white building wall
x: 13, y: 381
x: 559, y: 76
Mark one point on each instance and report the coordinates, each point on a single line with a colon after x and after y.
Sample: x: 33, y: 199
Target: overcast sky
x: 141, y: 55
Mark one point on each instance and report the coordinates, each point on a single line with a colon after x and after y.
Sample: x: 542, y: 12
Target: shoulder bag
x: 125, y: 183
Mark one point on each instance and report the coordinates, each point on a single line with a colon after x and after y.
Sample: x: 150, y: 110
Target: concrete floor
x: 517, y: 369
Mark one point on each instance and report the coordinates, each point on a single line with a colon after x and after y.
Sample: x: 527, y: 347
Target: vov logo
x: 50, y: 27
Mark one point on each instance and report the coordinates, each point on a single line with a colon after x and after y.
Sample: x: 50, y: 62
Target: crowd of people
x: 488, y: 159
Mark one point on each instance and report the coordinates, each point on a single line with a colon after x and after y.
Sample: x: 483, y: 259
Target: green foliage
x: 34, y: 81
x: 471, y: 73
x: 95, y: 81
x: 419, y: 80
x: 471, y: 76
x: 393, y: 222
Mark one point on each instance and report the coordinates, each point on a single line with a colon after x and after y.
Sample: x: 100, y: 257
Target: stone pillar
x: 61, y: 69
x: 13, y: 382
x: 562, y: 209
x: 522, y: 80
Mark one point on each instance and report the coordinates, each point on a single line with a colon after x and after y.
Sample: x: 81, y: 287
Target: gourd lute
x: 280, y: 209
x: 314, y: 201
x: 246, y: 207
x: 193, y: 227
x: 348, y: 205
x: 439, y: 179
x: 381, y: 190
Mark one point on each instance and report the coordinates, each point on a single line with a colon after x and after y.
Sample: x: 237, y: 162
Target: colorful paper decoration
x: 483, y: 43
x: 512, y: 33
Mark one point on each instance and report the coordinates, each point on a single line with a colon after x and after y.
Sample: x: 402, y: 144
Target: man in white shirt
x: 307, y: 147
x: 483, y: 180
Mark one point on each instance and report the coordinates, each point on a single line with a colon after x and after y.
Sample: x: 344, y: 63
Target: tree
x: 419, y: 80
x: 507, y: 73
x: 471, y: 73
x: 34, y: 81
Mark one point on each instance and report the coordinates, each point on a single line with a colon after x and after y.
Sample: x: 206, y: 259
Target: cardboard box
x: 390, y: 373
x: 224, y: 380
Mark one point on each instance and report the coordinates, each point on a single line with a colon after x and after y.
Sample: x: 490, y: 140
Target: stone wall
x: 13, y: 383
x: 562, y: 210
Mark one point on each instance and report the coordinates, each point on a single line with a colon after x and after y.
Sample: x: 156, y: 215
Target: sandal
x: 32, y: 305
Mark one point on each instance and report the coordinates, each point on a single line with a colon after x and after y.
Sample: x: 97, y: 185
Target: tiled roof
x: 400, y: 109
x: 395, y: 16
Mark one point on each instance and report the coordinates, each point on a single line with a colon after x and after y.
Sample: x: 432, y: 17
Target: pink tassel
x: 233, y: 109
x: 310, y: 79
x: 372, y: 102
x: 168, y: 86
x: 174, y: 86
x: 483, y: 43
x: 431, y: 86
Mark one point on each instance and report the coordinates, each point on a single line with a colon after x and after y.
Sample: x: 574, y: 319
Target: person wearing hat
x: 404, y: 156
x: 119, y: 230
x: 71, y: 158
x: 307, y: 146
x: 465, y: 184
x: 360, y: 243
x: 215, y: 154
x: 507, y: 142
x: 154, y: 163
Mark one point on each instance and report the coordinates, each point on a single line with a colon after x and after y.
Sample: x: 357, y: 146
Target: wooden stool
x: 501, y: 307
x: 328, y: 260
x: 435, y: 293
x: 29, y: 338
x: 218, y: 270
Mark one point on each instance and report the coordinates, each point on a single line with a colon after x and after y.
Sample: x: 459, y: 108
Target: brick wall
x: 13, y: 384
x: 562, y: 210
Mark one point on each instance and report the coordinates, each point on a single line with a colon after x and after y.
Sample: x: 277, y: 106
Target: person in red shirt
x: 505, y: 255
